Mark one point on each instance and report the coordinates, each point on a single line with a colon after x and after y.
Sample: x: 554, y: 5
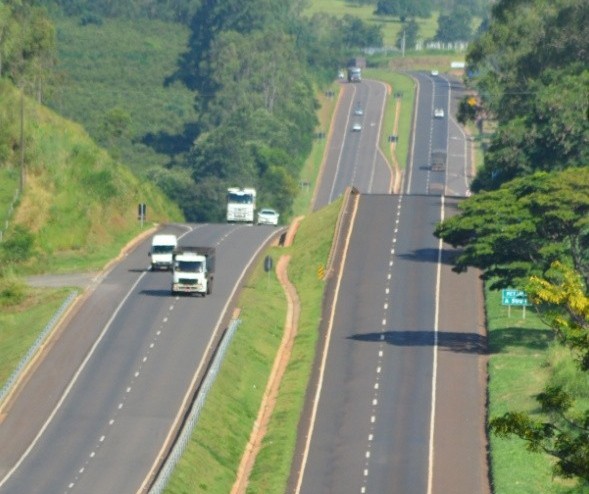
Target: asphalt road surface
x: 111, y: 385
x: 400, y: 389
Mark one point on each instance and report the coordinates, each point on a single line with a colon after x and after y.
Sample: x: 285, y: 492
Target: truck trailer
x: 193, y: 269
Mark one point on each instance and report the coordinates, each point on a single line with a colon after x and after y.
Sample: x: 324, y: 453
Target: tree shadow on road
x: 448, y: 340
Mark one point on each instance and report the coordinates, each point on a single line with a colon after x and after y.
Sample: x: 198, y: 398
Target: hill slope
x: 78, y: 205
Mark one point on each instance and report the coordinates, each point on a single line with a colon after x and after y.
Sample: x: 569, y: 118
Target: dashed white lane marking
x: 111, y: 422
x: 382, y: 338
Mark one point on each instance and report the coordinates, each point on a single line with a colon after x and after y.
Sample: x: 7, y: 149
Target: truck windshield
x: 162, y: 249
x: 189, y: 266
x: 240, y: 198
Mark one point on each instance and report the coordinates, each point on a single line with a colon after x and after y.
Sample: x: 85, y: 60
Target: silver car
x: 268, y: 216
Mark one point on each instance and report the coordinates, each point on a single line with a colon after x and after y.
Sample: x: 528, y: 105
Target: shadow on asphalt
x: 452, y: 341
x: 156, y: 293
x: 431, y: 255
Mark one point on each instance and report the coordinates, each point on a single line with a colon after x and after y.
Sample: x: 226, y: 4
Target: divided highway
x: 399, y: 398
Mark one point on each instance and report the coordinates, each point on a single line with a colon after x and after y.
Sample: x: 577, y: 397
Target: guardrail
x: 189, y: 425
x: 15, y: 376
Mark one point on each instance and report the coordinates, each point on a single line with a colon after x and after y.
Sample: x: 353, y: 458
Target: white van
x: 162, y: 249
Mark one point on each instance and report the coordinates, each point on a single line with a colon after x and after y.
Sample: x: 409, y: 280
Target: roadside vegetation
x: 526, y: 228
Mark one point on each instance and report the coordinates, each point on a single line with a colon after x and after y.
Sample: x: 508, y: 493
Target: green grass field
x: 523, y: 357
x: 390, y: 25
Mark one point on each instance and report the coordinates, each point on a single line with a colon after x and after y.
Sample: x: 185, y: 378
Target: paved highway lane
x: 372, y: 427
x: 123, y: 400
x: 353, y: 158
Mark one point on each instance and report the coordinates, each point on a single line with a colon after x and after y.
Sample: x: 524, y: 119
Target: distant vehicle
x: 162, y: 247
x: 354, y: 74
x: 241, y: 205
x: 359, y: 111
x: 435, y: 72
x: 267, y: 216
x: 438, y: 160
x: 439, y: 113
x: 193, y: 270
x: 357, y: 127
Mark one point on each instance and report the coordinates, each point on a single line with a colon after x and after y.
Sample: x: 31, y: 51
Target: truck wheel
x: 210, y: 287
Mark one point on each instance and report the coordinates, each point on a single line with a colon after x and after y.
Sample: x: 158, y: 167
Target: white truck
x: 241, y: 205
x: 193, y: 270
x: 162, y: 248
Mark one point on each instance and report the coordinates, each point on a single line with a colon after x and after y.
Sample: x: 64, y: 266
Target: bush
x: 12, y: 291
x: 18, y: 247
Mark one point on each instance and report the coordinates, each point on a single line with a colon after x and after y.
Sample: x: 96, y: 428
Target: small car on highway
x: 267, y: 216
x: 439, y: 113
x: 357, y: 127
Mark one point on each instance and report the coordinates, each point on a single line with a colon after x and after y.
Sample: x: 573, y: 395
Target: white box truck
x: 241, y: 205
x: 161, y: 252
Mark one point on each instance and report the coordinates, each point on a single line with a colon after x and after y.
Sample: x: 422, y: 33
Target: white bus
x: 241, y: 205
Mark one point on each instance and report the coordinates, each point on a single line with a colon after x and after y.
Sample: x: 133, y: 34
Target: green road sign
x: 510, y: 296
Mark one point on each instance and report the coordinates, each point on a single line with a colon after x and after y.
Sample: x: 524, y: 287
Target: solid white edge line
x: 190, y: 391
x: 71, y: 383
x: 430, y: 469
x: 324, y: 357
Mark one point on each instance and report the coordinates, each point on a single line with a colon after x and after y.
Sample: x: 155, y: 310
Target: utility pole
x: 22, y: 139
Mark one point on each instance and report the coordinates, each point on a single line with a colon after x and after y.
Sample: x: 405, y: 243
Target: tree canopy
x: 521, y: 228
x: 254, y: 69
x: 528, y: 69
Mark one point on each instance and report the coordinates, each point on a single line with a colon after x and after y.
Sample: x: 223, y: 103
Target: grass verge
x: 22, y: 322
x: 523, y: 357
